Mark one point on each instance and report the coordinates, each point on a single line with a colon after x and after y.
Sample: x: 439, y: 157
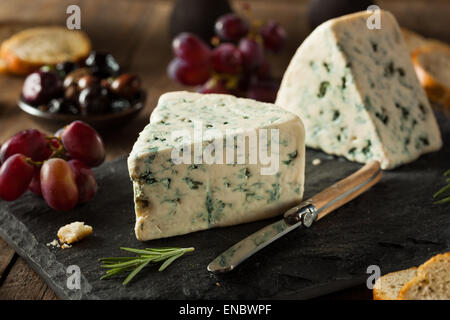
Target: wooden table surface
x: 136, y: 33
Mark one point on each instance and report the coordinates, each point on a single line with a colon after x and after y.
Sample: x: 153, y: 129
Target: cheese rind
x: 173, y: 199
x: 358, y: 95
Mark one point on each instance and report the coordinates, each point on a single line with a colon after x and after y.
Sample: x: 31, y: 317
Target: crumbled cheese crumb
x: 54, y: 243
x: 218, y: 284
x: 316, y: 162
x: 73, y: 232
x: 66, y: 246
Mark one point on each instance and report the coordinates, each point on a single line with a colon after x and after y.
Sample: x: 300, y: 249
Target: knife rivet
x: 308, y: 219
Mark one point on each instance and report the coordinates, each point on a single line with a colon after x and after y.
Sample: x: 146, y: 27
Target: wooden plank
x: 23, y: 283
x: 6, y: 257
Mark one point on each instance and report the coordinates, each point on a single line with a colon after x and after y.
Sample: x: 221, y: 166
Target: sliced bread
x: 432, y: 65
x: 388, y: 286
x: 6, y: 31
x: 29, y: 49
x: 415, y: 41
x: 432, y: 281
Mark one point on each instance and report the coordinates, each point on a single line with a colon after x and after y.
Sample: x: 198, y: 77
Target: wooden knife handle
x: 347, y: 189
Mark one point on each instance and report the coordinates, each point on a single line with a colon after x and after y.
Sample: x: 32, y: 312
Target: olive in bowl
x: 126, y: 85
x: 41, y: 86
x: 102, y: 64
x: 90, y: 90
x: 94, y: 100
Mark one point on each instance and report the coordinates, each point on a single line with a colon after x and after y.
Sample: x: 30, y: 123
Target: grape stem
x: 231, y: 80
x: 37, y: 164
x: 58, y: 152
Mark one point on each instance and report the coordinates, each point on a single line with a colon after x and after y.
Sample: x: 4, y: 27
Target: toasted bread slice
x: 29, y: 49
x: 432, y: 65
x: 388, y: 286
x: 7, y: 30
x: 415, y: 41
x: 432, y: 281
x: 3, y: 66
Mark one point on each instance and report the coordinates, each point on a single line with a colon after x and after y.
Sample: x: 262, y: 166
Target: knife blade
x: 302, y: 215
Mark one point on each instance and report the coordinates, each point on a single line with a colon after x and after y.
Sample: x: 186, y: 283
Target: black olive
x: 118, y: 105
x: 126, y: 85
x: 102, y: 64
x: 64, y: 68
x: 62, y: 106
x: 87, y: 81
x: 94, y: 99
x: 71, y: 93
x: 73, y: 77
x: 41, y: 86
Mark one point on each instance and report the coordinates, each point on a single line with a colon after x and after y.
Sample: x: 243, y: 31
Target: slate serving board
x: 394, y: 225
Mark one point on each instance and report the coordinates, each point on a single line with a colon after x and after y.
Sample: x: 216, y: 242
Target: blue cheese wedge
x: 177, y: 194
x: 358, y: 95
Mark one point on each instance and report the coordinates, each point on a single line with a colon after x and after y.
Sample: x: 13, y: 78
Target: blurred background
x: 139, y: 33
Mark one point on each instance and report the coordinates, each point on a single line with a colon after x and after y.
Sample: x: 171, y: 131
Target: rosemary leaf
x: 115, y: 259
x: 123, y: 264
x: 135, y: 272
x: 165, y: 249
x: 442, y: 201
x: 167, y: 256
x: 138, y: 251
x: 133, y: 265
x: 113, y: 272
x: 169, y: 261
x: 443, y: 190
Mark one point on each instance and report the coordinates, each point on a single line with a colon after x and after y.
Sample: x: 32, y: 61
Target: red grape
x: 188, y: 74
x: 274, y: 36
x: 31, y: 143
x: 58, y: 133
x: 82, y: 142
x: 213, y: 86
x: 265, y: 91
x: 263, y: 71
x: 227, y: 58
x: 86, y: 184
x: 58, y: 184
x: 252, y: 52
x: 15, y: 176
x: 191, y: 49
x: 231, y: 27
x: 35, y: 184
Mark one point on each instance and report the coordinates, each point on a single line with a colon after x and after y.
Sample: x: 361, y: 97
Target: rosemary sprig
x: 135, y: 264
x: 443, y: 190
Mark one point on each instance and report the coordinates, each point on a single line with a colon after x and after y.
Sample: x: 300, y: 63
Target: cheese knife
x: 304, y: 214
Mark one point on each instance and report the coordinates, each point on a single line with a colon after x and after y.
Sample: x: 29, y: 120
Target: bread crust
x: 3, y: 66
x: 379, y: 292
x: 20, y: 66
x: 421, y: 274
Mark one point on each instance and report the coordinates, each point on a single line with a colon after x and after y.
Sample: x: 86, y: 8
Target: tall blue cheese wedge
x: 213, y: 160
x: 357, y: 93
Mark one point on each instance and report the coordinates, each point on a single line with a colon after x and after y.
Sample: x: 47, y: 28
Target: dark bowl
x: 101, y: 122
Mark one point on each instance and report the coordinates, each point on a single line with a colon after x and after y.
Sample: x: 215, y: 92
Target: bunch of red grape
x: 56, y: 167
x: 236, y: 65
